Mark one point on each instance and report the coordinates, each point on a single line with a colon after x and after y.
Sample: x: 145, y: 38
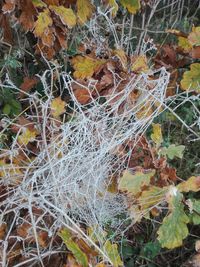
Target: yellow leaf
x: 84, y: 10
x: 85, y: 67
x: 100, y: 265
x: 27, y: 136
x: 122, y: 57
x: 191, y: 79
x: 194, y: 36
x: 113, y: 254
x: 133, y: 183
x: 184, y: 44
x: 42, y: 23
x: 113, y: 4
x: 66, y: 15
x: 38, y: 3
x: 192, y: 184
x: 156, y: 136
x: 139, y: 64
x: 57, y: 107
x: 132, y: 5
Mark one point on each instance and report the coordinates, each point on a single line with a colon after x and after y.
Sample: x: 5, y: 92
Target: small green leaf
x: 134, y: 182
x: 7, y: 109
x: 79, y: 255
x: 174, y: 226
x: 172, y: 151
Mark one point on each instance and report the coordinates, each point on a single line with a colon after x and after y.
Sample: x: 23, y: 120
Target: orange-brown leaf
x: 28, y: 84
x: 9, y: 6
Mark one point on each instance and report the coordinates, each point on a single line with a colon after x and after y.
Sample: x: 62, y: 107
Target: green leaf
x: 112, y: 252
x: 79, y: 255
x: 6, y: 109
x: 133, y: 182
x: 191, y: 78
x: 151, y: 250
x: 194, y: 207
x: 174, y: 226
x: 172, y: 151
x: 132, y: 5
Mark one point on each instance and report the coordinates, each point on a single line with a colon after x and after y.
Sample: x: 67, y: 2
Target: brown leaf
x: 196, y: 52
x: 28, y: 84
x: 27, y: 16
x: 3, y: 228
x: 9, y: 6
x: 7, y: 31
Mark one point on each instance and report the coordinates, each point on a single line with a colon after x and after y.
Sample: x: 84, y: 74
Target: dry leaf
x: 57, y: 107
x: 84, y: 10
x: 66, y: 15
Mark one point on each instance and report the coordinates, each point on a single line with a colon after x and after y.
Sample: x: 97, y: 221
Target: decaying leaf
x: 42, y: 23
x: 57, y: 107
x: 84, y: 10
x: 79, y: 255
x: 172, y: 151
x: 192, y: 184
x: 3, y: 228
x: 28, y: 84
x: 132, y: 5
x: 194, y: 36
x: 122, y: 57
x: 184, y: 44
x: 191, y: 78
x: 174, y: 226
x: 133, y: 183
x: 112, y: 252
x: 9, y: 6
x: 27, y: 136
x: 66, y: 15
x: 85, y: 67
x: 156, y: 136
x: 139, y: 64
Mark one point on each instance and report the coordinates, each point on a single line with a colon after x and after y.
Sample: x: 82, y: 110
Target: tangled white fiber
x: 69, y: 178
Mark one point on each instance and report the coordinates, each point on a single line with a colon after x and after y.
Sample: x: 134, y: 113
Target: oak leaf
x: 174, y: 226
x: 66, y: 15
x: 191, y: 78
x: 57, y: 107
x: 172, y: 151
x: 84, y: 10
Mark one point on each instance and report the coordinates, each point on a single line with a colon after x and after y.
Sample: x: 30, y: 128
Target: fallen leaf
x: 27, y: 15
x: 184, y: 44
x: 3, y: 228
x: 114, y: 6
x: 9, y: 6
x: 27, y: 136
x: 79, y: 255
x: 57, y: 107
x: 191, y: 184
x: 66, y: 15
x: 39, y: 3
x: 113, y: 254
x: 156, y: 136
x: 133, y: 183
x: 85, y: 67
x: 122, y: 57
x: 28, y: 84
x: 139, y: 64
x: 42, y: 23
x: 191, y: 79
x: 132, y: 5
x: 194, y: 36
x: 84, y: 10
